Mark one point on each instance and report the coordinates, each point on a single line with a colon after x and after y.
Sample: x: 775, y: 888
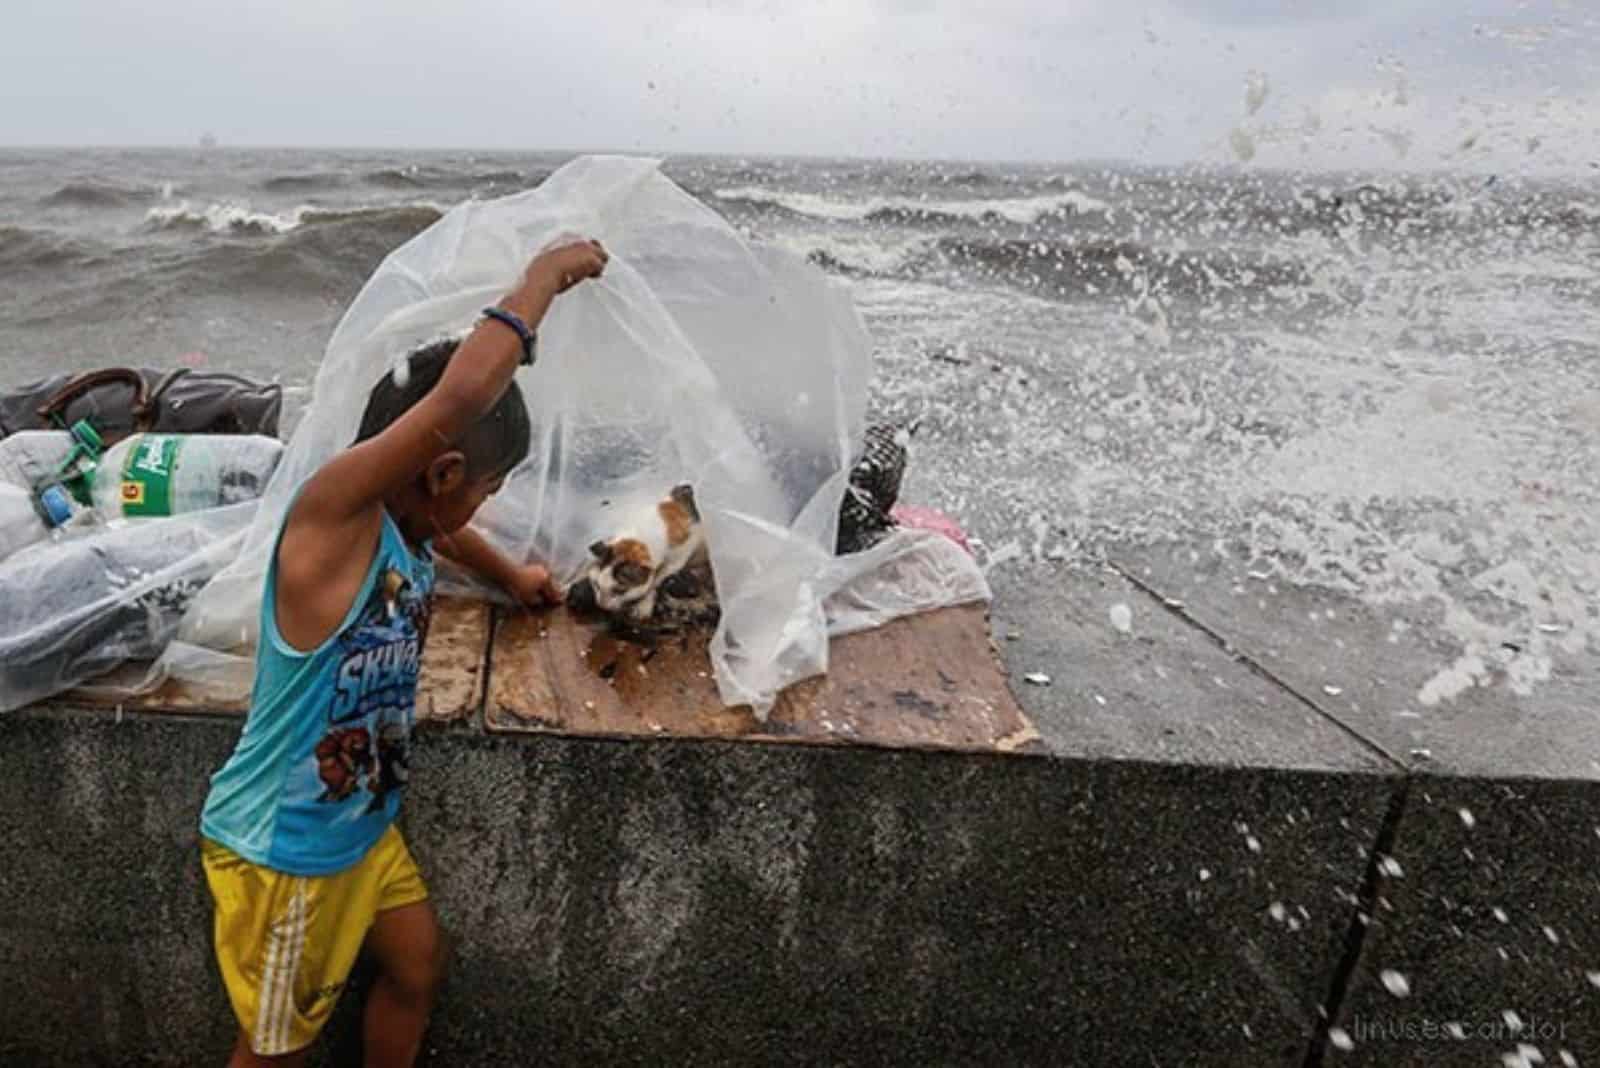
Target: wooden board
x: 930, y: 681
x: 454, y: 661
x: 451, y: 688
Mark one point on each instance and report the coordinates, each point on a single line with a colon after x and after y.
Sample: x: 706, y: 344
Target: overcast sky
x: 1481, y: 83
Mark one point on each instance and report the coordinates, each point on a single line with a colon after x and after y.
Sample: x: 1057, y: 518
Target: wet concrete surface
x: 1155, y: 688
x: 1369, y: 668
x: 679, y: 902
x: 1484, y: 940
x: 1212, y: 859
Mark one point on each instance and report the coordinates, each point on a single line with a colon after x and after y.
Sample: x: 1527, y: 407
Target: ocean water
x: 1389, y: 386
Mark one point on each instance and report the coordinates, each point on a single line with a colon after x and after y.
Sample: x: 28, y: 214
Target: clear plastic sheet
x: 908, y: 571
x: 699, y: 357
x: 73, y: 610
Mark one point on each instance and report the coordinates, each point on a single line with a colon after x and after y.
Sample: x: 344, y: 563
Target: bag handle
x: 94, y: 380
x: 166, y: 383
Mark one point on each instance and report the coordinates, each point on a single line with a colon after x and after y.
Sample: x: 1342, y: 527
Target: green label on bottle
x: 147, y: 476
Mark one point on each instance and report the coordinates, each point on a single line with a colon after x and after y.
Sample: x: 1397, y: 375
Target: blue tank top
x: 317, y: 775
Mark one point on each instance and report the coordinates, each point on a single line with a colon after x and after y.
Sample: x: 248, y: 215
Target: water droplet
x: 1341, y: 1039
x: 1467, y: 818
x: 1122, y: 618
x: 1395, y: 983
x: 1256, y: 89
x: 1243, y: 145
x: 1524, y: 1056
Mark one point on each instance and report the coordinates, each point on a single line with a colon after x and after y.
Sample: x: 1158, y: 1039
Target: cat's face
x: 621, y: 573
x: 625, y: 571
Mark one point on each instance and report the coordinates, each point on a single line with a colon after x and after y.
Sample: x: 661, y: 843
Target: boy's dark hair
x: 493, y: 445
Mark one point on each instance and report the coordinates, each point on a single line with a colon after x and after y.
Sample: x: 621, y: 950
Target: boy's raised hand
x: 568, y: 263
x: 554, y: 271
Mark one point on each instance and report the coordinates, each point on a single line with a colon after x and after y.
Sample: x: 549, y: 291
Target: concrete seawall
x: 1201, y: 864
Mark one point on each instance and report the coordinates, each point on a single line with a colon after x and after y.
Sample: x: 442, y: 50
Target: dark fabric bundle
x: 874, y: 488
x: 121, y: 400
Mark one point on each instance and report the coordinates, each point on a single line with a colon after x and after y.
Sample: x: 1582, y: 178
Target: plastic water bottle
x: 20, y: 525
x: 43, y: 474
x: 148, y: 476
x: 30, y: 458
x: 54, y: 480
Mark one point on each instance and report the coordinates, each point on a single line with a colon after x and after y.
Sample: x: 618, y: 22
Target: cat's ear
x: 601, y: 551
x: 683, y: 494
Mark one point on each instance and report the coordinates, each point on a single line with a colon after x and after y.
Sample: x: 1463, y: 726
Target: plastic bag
x: 697, y: 358
x: 75, y: 610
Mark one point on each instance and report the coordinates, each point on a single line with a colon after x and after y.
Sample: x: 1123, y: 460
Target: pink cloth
x: 917, y: 518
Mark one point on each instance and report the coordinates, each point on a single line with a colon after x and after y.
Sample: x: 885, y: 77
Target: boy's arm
x: 530, y: 584
x: 336, y: 521
x: 352, y: 482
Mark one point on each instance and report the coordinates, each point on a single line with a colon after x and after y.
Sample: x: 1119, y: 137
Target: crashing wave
x: 1020, y: 210
x: 99, y: 195
x: 241, y: 219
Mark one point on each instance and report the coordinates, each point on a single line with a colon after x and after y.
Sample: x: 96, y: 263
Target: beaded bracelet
x: 527, y: 336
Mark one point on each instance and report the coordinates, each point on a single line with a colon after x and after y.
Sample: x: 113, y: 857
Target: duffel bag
x: 122, y: 400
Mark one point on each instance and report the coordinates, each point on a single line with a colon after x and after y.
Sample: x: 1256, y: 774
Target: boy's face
x: 454, y: 508
x: 445, y: 499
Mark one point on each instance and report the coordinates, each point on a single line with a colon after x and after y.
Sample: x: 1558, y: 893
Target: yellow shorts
x: 286, y: 943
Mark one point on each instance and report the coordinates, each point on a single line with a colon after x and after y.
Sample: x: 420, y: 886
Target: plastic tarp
x: 73, y: 610
x: 699, y: 357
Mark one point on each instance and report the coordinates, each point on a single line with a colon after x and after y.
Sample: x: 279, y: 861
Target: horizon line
x: 665, y: 156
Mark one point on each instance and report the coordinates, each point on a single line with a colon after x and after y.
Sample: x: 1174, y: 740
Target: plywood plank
x: 929, y: 681
x: 454, y: 660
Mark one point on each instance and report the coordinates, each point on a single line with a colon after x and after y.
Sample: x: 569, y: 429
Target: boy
x: 298, y: 841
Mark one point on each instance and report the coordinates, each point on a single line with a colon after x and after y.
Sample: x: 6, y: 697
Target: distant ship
x: 208, y: 140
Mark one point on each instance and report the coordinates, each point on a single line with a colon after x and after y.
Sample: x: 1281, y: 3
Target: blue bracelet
x: 529, y: 339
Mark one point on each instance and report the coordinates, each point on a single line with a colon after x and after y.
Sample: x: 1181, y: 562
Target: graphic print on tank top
x: 364, y: 758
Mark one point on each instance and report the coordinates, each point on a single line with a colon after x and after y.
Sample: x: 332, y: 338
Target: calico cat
x: 655, y: 573
x: 657, y: 557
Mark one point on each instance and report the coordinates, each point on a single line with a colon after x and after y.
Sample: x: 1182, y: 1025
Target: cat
x: 657, y: 559
x: 655, y: 572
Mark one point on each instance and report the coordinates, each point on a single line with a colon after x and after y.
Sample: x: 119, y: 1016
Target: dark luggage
x: 122, y: 400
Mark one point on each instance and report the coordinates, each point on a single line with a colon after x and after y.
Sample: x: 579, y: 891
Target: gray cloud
x: 1279, y: 12
x: 1347, y: 83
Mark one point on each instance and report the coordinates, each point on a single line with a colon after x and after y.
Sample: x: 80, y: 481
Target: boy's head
x: 463, y: 477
